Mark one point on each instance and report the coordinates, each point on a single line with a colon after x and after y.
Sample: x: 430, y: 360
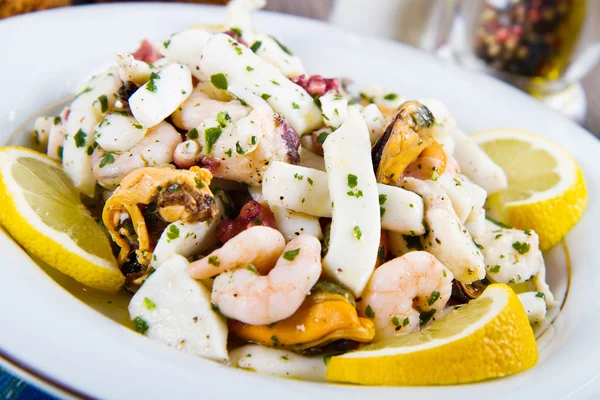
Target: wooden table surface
x: 319, y: 9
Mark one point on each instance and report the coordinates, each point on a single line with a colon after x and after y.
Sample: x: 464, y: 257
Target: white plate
x: 49, y: 334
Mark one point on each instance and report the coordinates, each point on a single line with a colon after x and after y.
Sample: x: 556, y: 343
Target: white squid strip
x: 477, y: 165
x: 282, y: 363
x: 187, y: 239
x: 309, y: 159
x: 297, y: 188
x: 186, y: 48
x: 335, y: 109
x: 288, y: 186
x: 375, y: 121
x: 87, y: 110
x: 133, y: 70
x: 178, y: 312
x: 355, y: 226
x: 534, y: 305
x: 161, y: 95
x: 270, y: 51
x: 292, y: 224
x: 119, y: 132
x: 242, y: 68
x: 464, y: 194
x: 41, y: 130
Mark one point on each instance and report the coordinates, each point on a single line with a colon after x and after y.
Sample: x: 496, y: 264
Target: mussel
x: 406, y: 135
x: 147, y: 200
x: 326, y: 319
x: 463, y: 293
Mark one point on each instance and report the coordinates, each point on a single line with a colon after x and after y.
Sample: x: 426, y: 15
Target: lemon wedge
x: 42, y: 210
x: 489, y: 337
x: 546, y: 188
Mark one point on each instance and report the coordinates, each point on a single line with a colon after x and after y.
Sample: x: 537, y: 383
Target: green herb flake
x: 249, y: 68
x: 80, y: 138
x: 275, y: 340
x: 381, y: 211
x: 214, y: 261
x: 457, y: 182
x: 295, y: 106
x: 285, y: 358
x: 229, y: 153
x: 382, y: 199
x: 238, y: 148
x: 413, y: 242
x: 395, y: 321
x: 282, y: 47
x: 426, y: 316
x: 435, y: 295
x: 151, y: 85
x: 405, y: 322
x: 521, y: 247
x: 103, y: 103
x: 140, y: 325
x: 173, y: 232
x: 193, y: 134
x: 310, y: 181
x: 167, y: 43
x: 57, y: 120
x: 60, y: 151
x: 149, y: 304
x: 540, y: 295
x: 257, y: 221
x: 357, y: 232
x: 252, y: 269
x: 219, y: 81
x: 322, y: 136
x: 495, y: 269
x: 369, y: 312
x: 238, y: 50
x: 291, y: 255
x: 222, y: 118
x: 253, y: 140
x: 265, y: 96
x: 199, y: 183
x: 381, y: 253
x: 390, y: 96
x: 255, y: 46
x: 352, y: 181
x: 434, y: 176
x: 274, y: 82
x: 90, y: 150
x: 299, y: 177
x: 211, y: 135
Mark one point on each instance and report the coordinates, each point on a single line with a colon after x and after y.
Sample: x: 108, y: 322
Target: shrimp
x: 405, y: 293
x: 154, y: 149
x: 447, y: 238
x: 259, y: 246
x: 245, y: 296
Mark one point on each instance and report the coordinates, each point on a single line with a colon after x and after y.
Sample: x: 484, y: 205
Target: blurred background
x: 548, y: 48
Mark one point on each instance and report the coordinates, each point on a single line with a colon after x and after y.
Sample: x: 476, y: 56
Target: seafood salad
x: 278, y: 221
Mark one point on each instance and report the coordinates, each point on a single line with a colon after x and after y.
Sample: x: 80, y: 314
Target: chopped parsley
x: 214, y: 261
x: 103, y: 103
x: 211, y: 135
x: 282, y: 47
x: 229, y: 153
x: 265, y: 96
x: 90, y: 150
x: 238, y: 50
x: 238, y: 148
x: 249, y: 68
x: 413, y: 242
x: 369, y: 312
x: 149, y: 304
x: 299, y: 177
x: 222, y: 118
x: 172, y: 232
x: 219, y: 81
x: 255, y: 46
x: 540, y: 295
x: 59, y: 153
x: 310, y: 181
x: 381, y: 253
x: 521, y: 247
x: 426, y: 316
x: 352, y: 181
x: 322, y: 136
x: 167, y: 43
x: 57, y: 120
x: 435, y: 295
x: 295, y: 106
x: 199, y: 183
x: 357, y: 232
x: 253, y: 140
x: 274, y: 82
x: 390, y: 96
x: 395, y: 321
x: 140, y: 325
x: 382, y: 199
x: 151, y: 85
x: 193, y: 134
x: 405, y: 322
x: 251, y: 268
x: 291, y: 255
x: 495, y: 269
x: 80, y: 138
x: 457, y: 182
x: 498, y: 236
x: 275, y: 340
